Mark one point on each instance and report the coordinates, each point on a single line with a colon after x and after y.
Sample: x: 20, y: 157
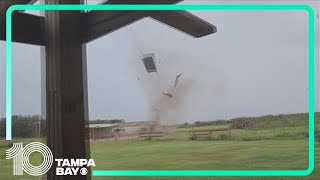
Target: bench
x: 150, y: 135
x: 201, y: 135
x: 206, y: 134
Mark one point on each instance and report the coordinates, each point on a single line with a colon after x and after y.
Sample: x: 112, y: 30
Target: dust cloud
x: 201, y: 88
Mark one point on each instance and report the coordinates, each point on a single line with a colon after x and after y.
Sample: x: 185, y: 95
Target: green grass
x: 264, y: 154
x: 272, y: 145
x: 172, y: 154
x: 280, y: 133
x: 201, y: 154
x: 6, y: 165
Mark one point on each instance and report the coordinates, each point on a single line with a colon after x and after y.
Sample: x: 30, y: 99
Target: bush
x: 23, y: 126
x: 317, y: 135
x: 224, y: 137
x: 192, y: 138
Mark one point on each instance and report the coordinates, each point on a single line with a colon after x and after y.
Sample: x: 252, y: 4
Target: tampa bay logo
x: 64, y: 167
x: 20, y: 156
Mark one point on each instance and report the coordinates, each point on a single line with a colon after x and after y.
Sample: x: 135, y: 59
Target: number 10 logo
x: 20, y: 156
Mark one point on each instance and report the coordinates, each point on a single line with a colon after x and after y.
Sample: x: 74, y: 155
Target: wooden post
x: 66, y: 103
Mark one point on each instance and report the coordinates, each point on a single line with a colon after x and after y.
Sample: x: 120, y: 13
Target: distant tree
x: 2, y: 127
x: 23, y: 126
x: 184, y: 125
x: 106, y: 121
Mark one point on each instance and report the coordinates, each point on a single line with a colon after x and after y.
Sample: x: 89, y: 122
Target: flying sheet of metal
x: 167, y: 94
x: 175, y: 84
x: 149, y: 62
x: 177, y: 80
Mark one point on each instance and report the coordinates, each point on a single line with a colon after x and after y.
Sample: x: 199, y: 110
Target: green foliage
x: 105, y: 121
x: 317, y: 135
x: 23, y: 126
x: 277, y: 133
x: 207, y: 123
x: 274, y: 121
x: 184, y: 125
x: 148, y: 138
x: 223, y: 137
x: 262, y: 122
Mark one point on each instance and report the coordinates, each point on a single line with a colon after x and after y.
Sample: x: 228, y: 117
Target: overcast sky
x: 256, y: 64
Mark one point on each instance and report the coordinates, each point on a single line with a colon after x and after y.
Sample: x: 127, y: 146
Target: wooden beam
x: 100, y: 23
x: 117, y: 21
x: 184, y: 21
x: 29, y: 28
x: 31, y: 2
x: 5, y: 4
x: 26, y: 28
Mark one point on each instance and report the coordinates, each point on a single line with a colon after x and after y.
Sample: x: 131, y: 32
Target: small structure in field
x: 150, y: 135
x: 104, y: 131
x: 211, y: 134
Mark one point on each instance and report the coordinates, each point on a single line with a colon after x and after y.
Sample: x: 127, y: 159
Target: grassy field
x: 289, y: 133
x: 171, y: 154
x: 6, y: 165
x: 201, y: 155
x: 274, y: 146
x: 265, y: 154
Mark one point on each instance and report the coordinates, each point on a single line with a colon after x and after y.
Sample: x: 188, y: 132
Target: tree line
x: 24, y: 126
x: 34, y: 126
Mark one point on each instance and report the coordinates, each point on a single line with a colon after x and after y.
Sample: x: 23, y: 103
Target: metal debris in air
x: 150, y: 65
x: 170, y: 95
x: 167, y: 94
x: 149, y: 62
